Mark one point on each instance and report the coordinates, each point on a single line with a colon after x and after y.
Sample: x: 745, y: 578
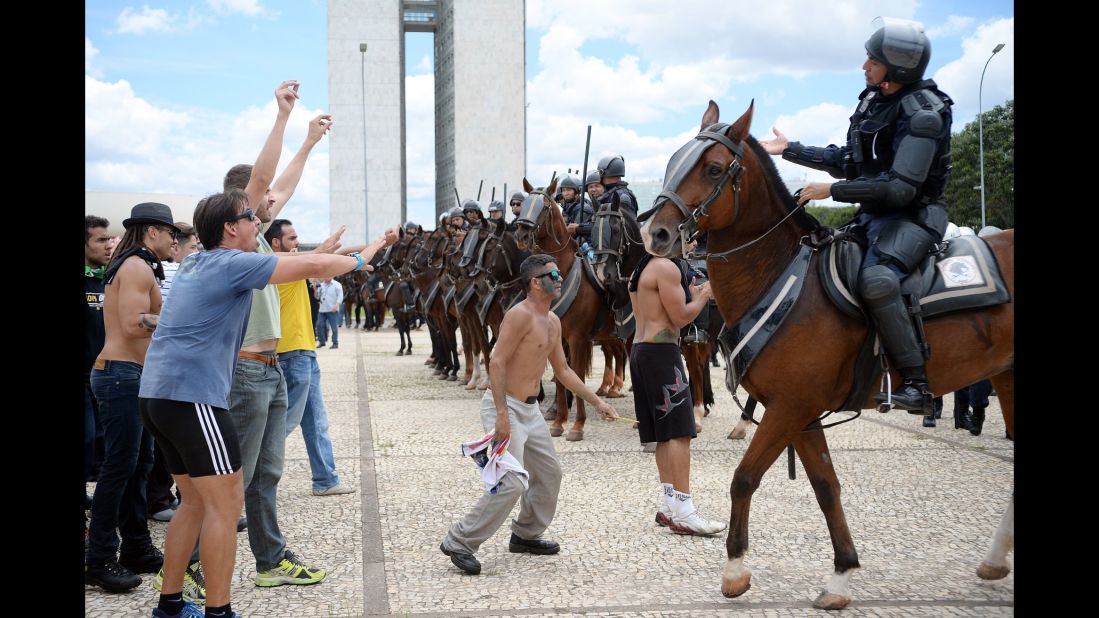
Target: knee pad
x: 878, y: 283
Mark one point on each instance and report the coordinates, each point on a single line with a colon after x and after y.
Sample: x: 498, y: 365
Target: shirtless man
x: 131, y: 309
x: 663, y: 304
x: 529, y: 335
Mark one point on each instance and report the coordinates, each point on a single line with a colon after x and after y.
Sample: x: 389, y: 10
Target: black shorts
x: 196, y: 439
x: 661, y: 394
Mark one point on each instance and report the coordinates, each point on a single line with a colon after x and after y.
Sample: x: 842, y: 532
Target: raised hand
x: 286, y: 94
x: 318, y: 127
x: 776, y: 145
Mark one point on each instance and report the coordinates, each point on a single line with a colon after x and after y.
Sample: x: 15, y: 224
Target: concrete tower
x: 480, y: 105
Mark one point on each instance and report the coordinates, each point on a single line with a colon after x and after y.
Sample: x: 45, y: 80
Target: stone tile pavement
x: 922, y: 504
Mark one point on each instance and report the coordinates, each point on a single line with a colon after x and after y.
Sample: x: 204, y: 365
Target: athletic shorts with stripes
x: 197, y: 439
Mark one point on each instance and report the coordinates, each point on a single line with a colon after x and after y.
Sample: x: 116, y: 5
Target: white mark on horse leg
x: 825, y: 458
x: 1004, y: 539
x: 837, y: 584
x: 735, y: 569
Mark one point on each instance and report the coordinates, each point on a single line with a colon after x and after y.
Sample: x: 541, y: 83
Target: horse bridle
x: 525, y: 214
x: 619, y: 253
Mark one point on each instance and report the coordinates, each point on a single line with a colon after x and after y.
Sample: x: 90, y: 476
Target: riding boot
x: 881, y: 291
x: 978, y: 421
x: 961, y: 409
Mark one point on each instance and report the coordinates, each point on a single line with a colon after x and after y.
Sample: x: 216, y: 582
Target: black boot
x: 881, y: 291
x: 913, y: 394
x: 977, y: 422
x: 962, y: 419
x: 929, y: 420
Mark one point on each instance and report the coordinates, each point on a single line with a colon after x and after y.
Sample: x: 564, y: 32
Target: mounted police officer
x: 516, y: 203
x: 495, y: 210
x: 594, y: 184
x: 456, y: 220
x: 578, y: 214
x: 406, y: 285
x: 611, y: 170
x: 895, y: 164
x: 471, y: 209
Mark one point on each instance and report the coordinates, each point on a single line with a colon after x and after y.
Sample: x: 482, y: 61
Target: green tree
x: 832, y: 216
x: 962, y: 199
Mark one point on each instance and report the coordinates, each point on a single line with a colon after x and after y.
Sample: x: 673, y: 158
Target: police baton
x: 584, y: 178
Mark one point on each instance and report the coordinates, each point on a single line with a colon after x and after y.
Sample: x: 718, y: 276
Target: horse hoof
x: 483, y: 385
x: 400, y: 352
x: 443, y: 376
x: 602, y: 392
x: 556, y: 431
x: 470, y: 386
x: 452, y: 378
x: 738, y: 433
x: 614, y: 393
x: 831, y: 600
x: 574, y: 436
x: 987, y: 571
x: 429, y: 361
x: 733, y: 588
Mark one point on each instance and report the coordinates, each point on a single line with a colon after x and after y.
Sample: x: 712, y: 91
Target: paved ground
x: 922, y: 505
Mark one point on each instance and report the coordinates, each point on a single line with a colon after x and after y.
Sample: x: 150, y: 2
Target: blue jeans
x: 119, y: 500
x: 328, y: 318
x: 306, y: 406
x: 257, y: 405
x: 89, y: 429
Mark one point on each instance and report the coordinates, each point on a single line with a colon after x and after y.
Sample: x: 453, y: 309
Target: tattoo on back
x: 666, y: 335
x: 149, y: 321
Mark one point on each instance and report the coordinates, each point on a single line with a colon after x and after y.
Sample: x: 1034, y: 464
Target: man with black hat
x: 131, y: 311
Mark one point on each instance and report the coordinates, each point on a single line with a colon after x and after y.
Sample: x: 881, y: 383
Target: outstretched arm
x: 288, y: 180
x: 568, y: 377
x: 263, y: 172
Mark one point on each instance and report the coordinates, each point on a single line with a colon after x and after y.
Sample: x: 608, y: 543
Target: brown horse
x: 725, y: 183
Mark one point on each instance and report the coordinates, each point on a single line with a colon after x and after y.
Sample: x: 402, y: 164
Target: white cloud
x: 90, y: 53
x: 133, y: 22
x: 120, y: 125
x: 244, y: 7
x: 961, y: 79
x: 954, y: 25
x: 425, y: 64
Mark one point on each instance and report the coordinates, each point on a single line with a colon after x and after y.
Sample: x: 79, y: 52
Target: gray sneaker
x: 338, y: 488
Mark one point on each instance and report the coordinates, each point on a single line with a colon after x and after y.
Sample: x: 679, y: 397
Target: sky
x: 176, y: 92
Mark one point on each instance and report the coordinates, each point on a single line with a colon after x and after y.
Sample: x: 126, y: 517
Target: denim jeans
x: 257, y: 405
x: 90, y: 415
x: 119, y: 500
x: 329, y: 318
x: 306, y: 407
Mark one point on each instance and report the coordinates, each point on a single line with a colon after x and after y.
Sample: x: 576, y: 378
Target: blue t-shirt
x: 195, y: 345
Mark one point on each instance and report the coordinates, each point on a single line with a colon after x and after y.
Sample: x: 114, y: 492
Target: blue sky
x: 178, y: 91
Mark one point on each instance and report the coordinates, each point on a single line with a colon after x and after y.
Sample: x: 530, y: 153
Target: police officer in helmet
x: 594, y: 184
x: 895, y: 165
x: 495, y: 210
x: 472, y: 211
x: 578, y: 213
x: 611, y: 170
x: 516, y: 203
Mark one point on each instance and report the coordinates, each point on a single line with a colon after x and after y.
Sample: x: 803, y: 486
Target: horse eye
x: 713, y: 171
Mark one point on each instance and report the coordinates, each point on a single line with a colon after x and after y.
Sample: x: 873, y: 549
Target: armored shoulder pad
x: 922, y: 99
x: 925, y: 123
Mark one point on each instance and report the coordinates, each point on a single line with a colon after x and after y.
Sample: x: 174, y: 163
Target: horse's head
x: 703, y: 184
x: 431, y: 249
x: 473, y: 239
x: 533, y: 213
x: 613, y: 233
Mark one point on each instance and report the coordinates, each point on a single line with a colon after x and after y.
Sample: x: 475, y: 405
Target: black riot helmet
x: 614, y: 165
x: 593, y: 177
x: 455, y: 212
x: 902, y: 46
x: 518, y: 195
x: 472, y: 205
x: 569, y: 182
x: 496, y: 206
x: 409, y: 226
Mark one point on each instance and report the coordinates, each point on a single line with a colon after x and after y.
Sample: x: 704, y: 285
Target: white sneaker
x: 695, y: 523
x: 336, y: 489
x: 664, y: 515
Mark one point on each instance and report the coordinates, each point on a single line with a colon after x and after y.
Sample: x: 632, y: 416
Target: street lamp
x: 981, y: 130
x: 362, y: 76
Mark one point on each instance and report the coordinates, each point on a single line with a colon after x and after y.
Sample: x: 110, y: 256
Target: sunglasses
x: 554, y: 275
x: 247, y: 214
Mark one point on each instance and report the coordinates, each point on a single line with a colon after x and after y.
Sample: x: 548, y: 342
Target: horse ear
x: 739, y: 131
x: 419, y: 230
x: 710, y: 116
x: 400, y: 232
x: 615, y: 199
x: 526, y: 185
x: 552, y: 188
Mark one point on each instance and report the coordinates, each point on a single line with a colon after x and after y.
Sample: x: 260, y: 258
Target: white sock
x: 669, y: 496
x: 684, y: 505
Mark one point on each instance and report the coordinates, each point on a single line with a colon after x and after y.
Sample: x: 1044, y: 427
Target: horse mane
x: 807, y: 221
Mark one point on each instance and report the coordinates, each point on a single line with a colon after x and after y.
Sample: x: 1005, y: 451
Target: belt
x: 531, y: 399
x: 262, y: 358
x: 102, y: 364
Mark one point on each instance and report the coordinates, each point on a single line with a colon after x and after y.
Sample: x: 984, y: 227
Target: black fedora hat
x: 151, y: 212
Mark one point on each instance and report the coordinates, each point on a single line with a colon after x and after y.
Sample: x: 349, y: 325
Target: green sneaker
x: 194, y: 584
x: 290, y: 571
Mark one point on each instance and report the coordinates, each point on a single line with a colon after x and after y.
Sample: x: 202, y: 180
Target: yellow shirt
x: 297, y: 321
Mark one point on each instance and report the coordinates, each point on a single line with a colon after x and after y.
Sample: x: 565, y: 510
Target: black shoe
x: 463, y: 560
x: 536, y: 546
x: 912, y: 396
x: 242, y: 524
x: 110, y: 576
x: 962, y: 419
x: 146, y: 560
x: 929, y: 421
x: 320, y: 345
x: 977, y: 421
x: 335, y: 346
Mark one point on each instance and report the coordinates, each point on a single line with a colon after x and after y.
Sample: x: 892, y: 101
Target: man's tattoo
x: 149, y: 321
x: 666, y: 335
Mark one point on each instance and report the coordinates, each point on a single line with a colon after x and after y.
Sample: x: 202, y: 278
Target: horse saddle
x: 569, y: 288
x: 485, y: 304
x: 465, y: 297
x: 962, y: 275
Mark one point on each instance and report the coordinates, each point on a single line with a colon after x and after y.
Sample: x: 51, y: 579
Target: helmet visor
x: 903, y: 41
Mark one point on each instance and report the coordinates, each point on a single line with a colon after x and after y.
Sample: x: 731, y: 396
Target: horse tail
x: 581, y: 358
x: 707, y: 388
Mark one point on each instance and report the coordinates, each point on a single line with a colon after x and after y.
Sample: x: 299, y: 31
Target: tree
x: 962, y: 198
x: 832, y: 216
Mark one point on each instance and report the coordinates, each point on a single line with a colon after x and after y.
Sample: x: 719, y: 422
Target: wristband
x: 359, y: 258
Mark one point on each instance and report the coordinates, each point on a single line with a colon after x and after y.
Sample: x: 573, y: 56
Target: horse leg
x: 485, y: 354
x: 475, y: 362
x: 695, y: 366
x: 1004, y: 384
x: 774, y: 433
x: 741, y: 429
x: 467, y: 351
x: 557, y: 425
x: 398, y: 321
x: 608, y: 370
x: 619, y: 353
x: 812, y: 448
x: 995, y: 564
x: 455, y: 365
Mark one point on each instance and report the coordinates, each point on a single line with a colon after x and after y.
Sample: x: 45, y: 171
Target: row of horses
x: 733, y: 193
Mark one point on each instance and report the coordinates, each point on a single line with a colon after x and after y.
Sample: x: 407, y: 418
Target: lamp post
x: 981, y: 130
x: 366, y: 210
